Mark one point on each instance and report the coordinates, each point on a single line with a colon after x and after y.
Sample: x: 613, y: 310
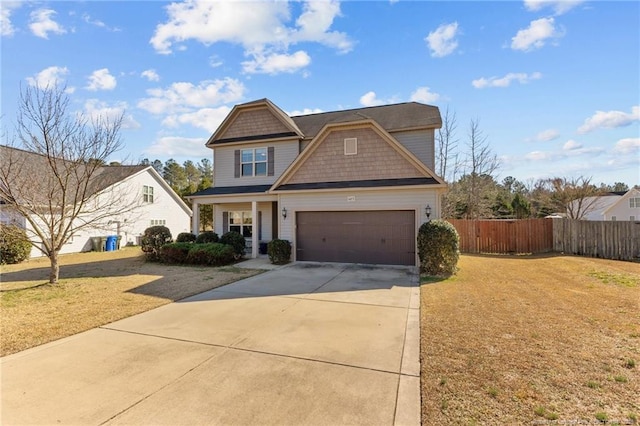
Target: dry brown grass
x: 94, y: 289
x: 532, y: 340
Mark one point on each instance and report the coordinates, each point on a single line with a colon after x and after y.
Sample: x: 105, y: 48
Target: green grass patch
x: 620, y: 379
x: 593, y: 385
x: 624, y: 280
x: 602, y: 417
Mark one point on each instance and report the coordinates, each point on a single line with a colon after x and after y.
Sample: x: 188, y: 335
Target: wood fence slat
x: 610, y: 240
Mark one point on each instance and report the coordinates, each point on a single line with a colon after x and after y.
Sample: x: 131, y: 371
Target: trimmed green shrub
x: 175, y: 252
x: 438, y: 248
x: 279, y: 251
x: 185, y: 237
x: 14, y: 244
x: 212, y: 254
x: 207, y: 237
x: 153, y: 239
x: 235, y: 240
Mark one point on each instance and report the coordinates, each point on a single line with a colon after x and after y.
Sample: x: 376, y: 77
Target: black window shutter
x: 259, y: 225
x: 225, y: 222
x: 236, y: 171
x: 270, y: 155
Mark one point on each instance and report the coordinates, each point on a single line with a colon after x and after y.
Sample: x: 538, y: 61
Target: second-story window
x: 147, y: 194
x: 254, y: 162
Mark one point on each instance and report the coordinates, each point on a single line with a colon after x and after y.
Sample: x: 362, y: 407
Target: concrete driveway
x: 304, y: 344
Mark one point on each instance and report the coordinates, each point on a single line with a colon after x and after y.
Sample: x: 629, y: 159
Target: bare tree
x: 446, y: 147
x: 52, y: 172
x: 577, y: 196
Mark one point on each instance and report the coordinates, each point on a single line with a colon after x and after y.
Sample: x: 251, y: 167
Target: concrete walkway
x: 304, y: 344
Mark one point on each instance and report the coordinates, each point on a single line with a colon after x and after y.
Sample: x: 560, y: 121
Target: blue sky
x: 554, y: 84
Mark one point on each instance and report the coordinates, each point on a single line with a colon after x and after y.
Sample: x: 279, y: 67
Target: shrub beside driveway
x: 94, y: 289
x: 532, y: 340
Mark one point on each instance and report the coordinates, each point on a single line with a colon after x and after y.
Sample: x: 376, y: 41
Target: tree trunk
x: 55, y: 268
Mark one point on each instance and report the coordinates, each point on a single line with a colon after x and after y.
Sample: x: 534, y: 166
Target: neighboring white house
x: 139, y: 191
x: 342, y: 186
x: 614, y: 206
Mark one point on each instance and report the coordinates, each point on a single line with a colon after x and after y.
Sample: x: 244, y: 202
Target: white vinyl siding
x: 284, y: 154
x: 419, y: 143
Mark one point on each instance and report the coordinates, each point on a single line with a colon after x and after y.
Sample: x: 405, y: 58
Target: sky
x: 554, y: 85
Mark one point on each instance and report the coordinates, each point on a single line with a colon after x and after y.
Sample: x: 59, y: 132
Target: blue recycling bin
x: 111, y: 242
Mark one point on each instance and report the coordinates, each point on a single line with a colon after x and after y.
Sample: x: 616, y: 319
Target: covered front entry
x: 374, y: 237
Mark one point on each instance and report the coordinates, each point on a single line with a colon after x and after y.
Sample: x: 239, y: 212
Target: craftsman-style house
x: 344, y: 186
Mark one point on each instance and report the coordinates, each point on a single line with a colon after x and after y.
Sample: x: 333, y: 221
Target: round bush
x: 153, y: 239
x: 438, y: 248
x: 175, y: 252
x: 207, y: 237
x: 212, y: 254
x: 14, y: 244
x: 279, y: 251
x: 236, y: 241
x: 185, y: 237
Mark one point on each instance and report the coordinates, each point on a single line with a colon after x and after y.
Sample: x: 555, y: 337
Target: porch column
x: 255, y: 224
x: 195, y: 222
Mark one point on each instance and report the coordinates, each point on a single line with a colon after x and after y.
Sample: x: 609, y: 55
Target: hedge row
x: 211, y: 254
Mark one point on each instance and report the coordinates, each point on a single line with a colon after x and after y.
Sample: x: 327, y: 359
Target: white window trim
x: 147, y: 194
x: 158, y: 222
x: 351, y: 146
x: 241, y: 225
x: 254, y: 163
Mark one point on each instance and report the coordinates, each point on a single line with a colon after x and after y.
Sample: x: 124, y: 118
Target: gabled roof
x: 618, y: 199
x: 260, y: 103
x: 392, y: 118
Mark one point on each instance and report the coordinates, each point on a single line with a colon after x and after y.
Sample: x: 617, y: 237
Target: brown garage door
x: 375, y: 237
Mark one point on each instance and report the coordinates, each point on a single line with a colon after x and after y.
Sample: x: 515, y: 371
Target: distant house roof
x: 33, y: 171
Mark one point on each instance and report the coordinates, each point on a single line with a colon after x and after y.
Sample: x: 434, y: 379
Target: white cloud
x: 176, y: 146
x: 537, y: 156
x: 627, y: 146
x: 258, y: 26
x: 184, y: 97
x: 305, y: 111
x: 150, y: 75
x: 571, y: 145
x: 206, y: 118
x: 424, y: 94
x: 558, y: 6
x: 41, y: 23
x: 98, y: 110
x: 276, y: 63
x: 522, y: 78
x: 370, y: 99
x: 48, y: 77
x: 536, y: 35
x: 215, y: 61
x: 6, y: 8
x: 547, y: 135
x: 610, y: 119
x: 98, y: 23
x: 442, y: 41
x: 101, y: 80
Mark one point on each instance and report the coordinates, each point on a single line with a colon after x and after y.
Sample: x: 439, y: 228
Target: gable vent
x: 350, y: 146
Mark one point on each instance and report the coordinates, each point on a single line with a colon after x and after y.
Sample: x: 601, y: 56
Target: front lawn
x: 94, y: 289
x: 532, y: 340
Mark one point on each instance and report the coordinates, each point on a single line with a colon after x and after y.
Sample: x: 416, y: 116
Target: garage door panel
x: 378, y: 237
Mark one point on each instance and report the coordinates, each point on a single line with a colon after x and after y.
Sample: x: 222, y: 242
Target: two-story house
x: 343, y: 186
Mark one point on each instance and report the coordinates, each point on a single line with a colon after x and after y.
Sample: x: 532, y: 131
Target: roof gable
x: 256, y: 120
x: 379, y: 157
x: 633, y: 192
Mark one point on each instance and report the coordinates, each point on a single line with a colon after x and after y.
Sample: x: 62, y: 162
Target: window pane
x: 247, y: 155
x: 234, y: 228
x: 247, y: 231
x: 247, y: 218
x: 247, y: 169
x: 261, y: 169
x: 235, y: 218
x: 261, y: 154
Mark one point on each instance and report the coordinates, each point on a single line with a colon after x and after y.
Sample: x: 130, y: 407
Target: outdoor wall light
x: 427, y: 211
x: 284, y: 212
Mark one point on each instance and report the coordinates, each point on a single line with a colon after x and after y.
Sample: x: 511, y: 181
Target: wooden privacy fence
x: 609, y: 240
x: 504, y: 236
